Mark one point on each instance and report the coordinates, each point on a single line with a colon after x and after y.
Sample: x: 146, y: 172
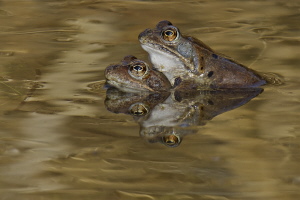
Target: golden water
x: 58, y: 141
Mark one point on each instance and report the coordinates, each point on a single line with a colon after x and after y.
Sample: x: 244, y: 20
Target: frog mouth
x: 126, y: 87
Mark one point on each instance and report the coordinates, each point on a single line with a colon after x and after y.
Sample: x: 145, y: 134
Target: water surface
x: 58, y: 140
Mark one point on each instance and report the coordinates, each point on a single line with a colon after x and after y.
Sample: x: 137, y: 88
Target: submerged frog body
x: 134, y: 75
x: 187, y: 59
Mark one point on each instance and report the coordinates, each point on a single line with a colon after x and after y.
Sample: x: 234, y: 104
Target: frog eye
x: 171, y: 140
x: 169, y: 34
x: 138, y: 70
x: 138, y: 109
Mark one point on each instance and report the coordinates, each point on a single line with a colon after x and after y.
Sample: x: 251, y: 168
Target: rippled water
x: 59, y: 141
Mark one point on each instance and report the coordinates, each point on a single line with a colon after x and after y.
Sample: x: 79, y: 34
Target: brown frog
x: 183, y: 58
x: 134, y: 75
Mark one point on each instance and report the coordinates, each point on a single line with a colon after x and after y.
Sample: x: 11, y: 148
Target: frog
x: 187, y: 60
x: 134, y: 75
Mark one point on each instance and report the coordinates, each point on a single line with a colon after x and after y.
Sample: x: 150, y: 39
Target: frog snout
x: 109, y: 70
x: 144, y: 34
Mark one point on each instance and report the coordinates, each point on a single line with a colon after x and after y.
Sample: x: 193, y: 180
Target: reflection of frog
x: 183, y: 58
x: 135, y: 104
x: 134, y: 75
x: 168, y: 117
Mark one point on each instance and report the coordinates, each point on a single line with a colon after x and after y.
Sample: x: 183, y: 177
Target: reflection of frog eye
x: 138, y: 109
x: 169, y: 34
x: 171, y: 140
x: 138, y: 70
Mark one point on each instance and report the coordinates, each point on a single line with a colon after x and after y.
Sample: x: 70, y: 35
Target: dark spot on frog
x: 210, y: 102
x: 210, y: 74
x: 154, y: 82
x: 155, y: 97
x: 177, y: 96
x: 201, y: 108
x: 177, y: 81
x: 215, y: 56
x: 202, y: 63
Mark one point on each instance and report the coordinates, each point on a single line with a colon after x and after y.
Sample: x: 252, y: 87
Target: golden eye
x: 171, y: 140
x: 138, y: 69
x: 138, y: 109
x: 169, y: 34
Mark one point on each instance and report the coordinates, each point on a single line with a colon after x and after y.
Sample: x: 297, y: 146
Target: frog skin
x: 134, y: 75
x: 183, y: 58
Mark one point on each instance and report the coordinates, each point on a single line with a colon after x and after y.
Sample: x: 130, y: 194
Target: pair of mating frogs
x: 179, y: 62
x: 187, y: 85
